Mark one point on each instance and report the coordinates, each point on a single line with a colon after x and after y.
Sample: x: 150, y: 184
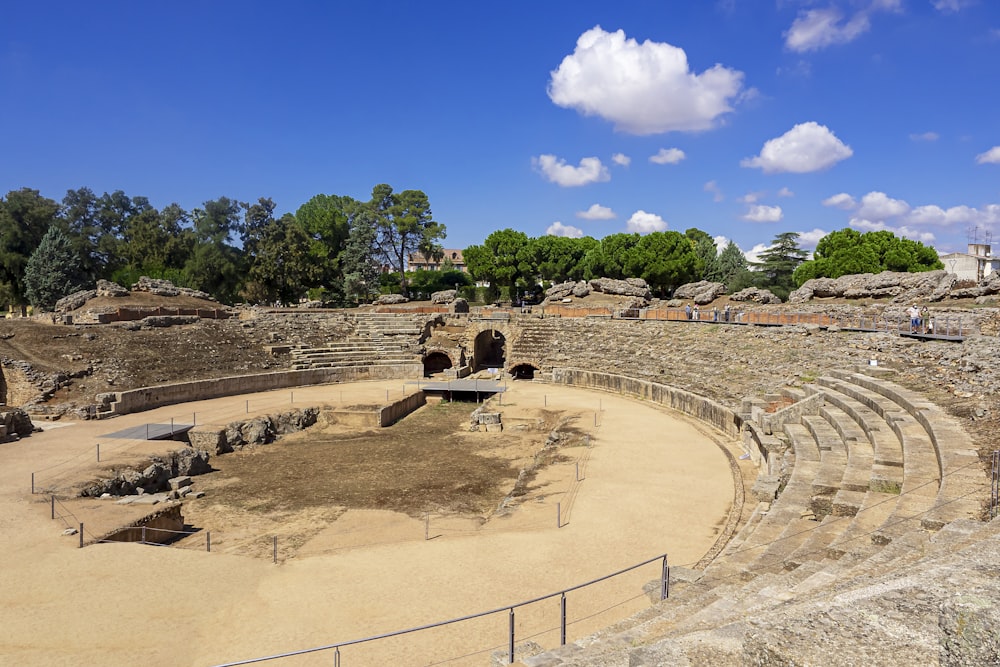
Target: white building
x: 976, y: 264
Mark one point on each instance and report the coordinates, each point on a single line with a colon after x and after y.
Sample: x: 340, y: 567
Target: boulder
x: 108, y: 288
x: 702, y: 292
x: 74, y: 300
x: 16, y: 424
x: 900, y: 287
x: 390, y: 299
x: 155, y: 286
x: 459, y: 305
x: 559, y: 291
x: 755, y: 295
x: 631, y: 287
x: 581, y: 289
x: 444, y: 296
x: 166, y: 288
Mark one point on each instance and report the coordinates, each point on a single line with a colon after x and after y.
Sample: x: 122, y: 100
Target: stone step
x: 860, y: 457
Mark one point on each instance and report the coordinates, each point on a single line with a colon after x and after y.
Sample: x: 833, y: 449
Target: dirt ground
x: 649, y: 482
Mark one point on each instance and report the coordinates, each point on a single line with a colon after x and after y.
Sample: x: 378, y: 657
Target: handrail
x: 995, y: 484
x: 664, y: 593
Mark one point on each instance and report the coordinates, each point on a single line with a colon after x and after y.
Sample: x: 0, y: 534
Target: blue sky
x: 742, y: 118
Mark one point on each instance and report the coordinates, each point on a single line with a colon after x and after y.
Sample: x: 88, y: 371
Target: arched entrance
x: 435, y: 362
x: 523, y: 372
x: 489, y: 351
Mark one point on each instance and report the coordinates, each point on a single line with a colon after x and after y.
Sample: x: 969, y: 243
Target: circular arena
x: 803, y: 505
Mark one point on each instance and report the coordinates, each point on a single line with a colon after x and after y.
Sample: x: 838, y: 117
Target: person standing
x: 687, y: 311
x: 914, y: 314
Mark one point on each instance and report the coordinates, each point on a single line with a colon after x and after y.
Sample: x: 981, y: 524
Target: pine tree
x: 53, y: 271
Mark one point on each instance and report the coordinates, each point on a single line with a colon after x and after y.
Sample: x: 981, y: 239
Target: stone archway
x: 523, y: 371
x: 489, y: 350
x: 435, y: 362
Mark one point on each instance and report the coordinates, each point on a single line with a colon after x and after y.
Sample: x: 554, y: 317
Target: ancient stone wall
x: 701, y: 408
x: 147, y: 398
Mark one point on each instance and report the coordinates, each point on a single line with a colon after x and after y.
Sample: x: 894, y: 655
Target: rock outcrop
x: 108, y: 288
x: 74, y: 300
x: 166, y: 288
x: 899, y: 287
x: 702, y: 292
x: 636, y: 287
x: 444, y: 296
x: 755, y: 295
x: 250, y: 432
x: 153, y: 478
x: 16, y: 424
x: 390, y: 299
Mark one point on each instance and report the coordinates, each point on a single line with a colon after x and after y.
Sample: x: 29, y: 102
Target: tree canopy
x: 848, y: 251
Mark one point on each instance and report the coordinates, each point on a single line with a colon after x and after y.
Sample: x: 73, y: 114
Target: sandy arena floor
x: 653, y: 482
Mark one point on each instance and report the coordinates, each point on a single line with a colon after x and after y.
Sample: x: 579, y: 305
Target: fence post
x: 275, y: 556
x: 32, y: 483
x: 171, y: 427
x: 194, y: 419
x: 511, y: 643
x: 53, y: 507
x: 208, y: 541
x: 562, y: 619
x: 248, y: 407
x: 98, y: 452
x: 336, y: 657
x: 665, y: 579
x: 81, y: 534
x: 143, y: 538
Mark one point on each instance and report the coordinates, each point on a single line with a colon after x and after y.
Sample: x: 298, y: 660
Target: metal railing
x: 995, y: 484
x: 664, y: 589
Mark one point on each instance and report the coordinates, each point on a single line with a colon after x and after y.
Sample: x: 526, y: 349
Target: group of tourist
x: 695, y: 313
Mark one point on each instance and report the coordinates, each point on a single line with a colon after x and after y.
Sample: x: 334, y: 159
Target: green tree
x: 608, y: 259
x: 405, y: 225
x: 25, y: 217
x: 848, y: 252
x: 53, y: 271
x: 501, y: 259
x: 327, y: 221
x: 665, y: 260
x: 778, y: 263
x: 707, y: 253
x: 732, y: 266
x: 215, y: 266
x: 558, y: 258
x: 359, y: 257
x: 282, y: 267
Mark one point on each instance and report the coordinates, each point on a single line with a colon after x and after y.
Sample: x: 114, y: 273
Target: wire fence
x: 511, y: 612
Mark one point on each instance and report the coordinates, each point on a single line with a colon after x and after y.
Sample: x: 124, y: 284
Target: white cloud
x: 952, y: 6
x: 591, y: 170
x: 925, y: 136
x: 643, y: 88
x: 751, y: 197
x: 720, y: 242
x: 760, y: 213
x: 559, y: 229
x: 841, y: 200
x: 785, y: 192
x: 805, y: 148
x: 716, y: 191
x: 667, y: 156
x: 621, y: 159
x: 645, y: 223
x: 753, y: 254
x: 905, y: 232
x: 879, y: 206
x: 596, y: 212
x: 816, y: 29
x: 956, y: 215
x: 808, y: 240
x: 992, y: 156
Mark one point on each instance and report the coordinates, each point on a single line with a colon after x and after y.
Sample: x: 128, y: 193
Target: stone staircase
x: 870, y: 550
x: 379, y: 339
x: 536, y: 334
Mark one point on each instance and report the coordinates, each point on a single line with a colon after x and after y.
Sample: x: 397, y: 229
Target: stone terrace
x: 866, y: 533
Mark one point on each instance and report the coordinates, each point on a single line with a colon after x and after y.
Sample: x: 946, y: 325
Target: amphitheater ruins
x: 821, y: 488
